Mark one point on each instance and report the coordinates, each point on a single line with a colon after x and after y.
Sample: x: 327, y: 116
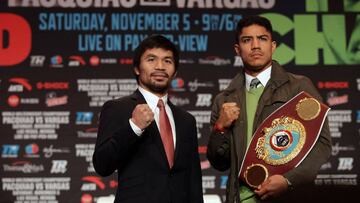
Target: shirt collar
x: 263, y: 77
x: 151, y: 99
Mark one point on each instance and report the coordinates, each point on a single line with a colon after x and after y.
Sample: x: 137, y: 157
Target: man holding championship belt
x: 269, y: 126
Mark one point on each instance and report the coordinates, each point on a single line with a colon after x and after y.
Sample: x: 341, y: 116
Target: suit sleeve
x: 307, y: 170
x: 218, y: 149
x: 115, y: 138
x: 196, y: 176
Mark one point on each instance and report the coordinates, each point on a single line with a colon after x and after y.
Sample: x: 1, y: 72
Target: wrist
x: 219, y: 128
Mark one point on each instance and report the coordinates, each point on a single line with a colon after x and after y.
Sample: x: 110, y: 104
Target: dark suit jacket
x: 227, y: 151
x: 143, y: 171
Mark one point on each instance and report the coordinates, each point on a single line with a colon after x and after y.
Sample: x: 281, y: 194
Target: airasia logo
x: 52, y: 85
x: 86, y: 198
x: 14, y: 101
x: 15, y: 39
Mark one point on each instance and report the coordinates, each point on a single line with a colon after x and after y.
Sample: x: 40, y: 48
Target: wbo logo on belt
x: 284, y: 139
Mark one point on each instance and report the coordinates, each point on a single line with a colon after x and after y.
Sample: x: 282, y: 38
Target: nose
x: 159, y: 65
x: 255, y: 44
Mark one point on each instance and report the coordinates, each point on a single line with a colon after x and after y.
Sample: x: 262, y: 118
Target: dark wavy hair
x: 253, y: 20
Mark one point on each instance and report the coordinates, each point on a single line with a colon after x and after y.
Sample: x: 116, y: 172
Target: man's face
x: 255, y: 47
x: 156, y: 70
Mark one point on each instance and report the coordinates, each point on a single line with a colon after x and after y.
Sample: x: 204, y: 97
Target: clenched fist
x: 228, y: 114
x: 142, y: 116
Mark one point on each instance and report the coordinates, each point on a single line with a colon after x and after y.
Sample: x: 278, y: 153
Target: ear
x: 273, y: 46
x: 136, y: 71
x: 237, y: 49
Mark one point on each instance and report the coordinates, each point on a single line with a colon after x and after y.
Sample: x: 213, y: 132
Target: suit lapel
x: 178, y: 126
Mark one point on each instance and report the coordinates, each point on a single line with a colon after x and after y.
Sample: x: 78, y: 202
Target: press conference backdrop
x: 60, y: 60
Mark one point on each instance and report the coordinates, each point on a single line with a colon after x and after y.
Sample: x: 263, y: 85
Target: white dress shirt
x: 152, y: 100
x: 263, y: 77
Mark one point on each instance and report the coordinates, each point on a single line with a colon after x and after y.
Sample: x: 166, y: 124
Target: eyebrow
x: 258, y: 36
x: 153, y: 55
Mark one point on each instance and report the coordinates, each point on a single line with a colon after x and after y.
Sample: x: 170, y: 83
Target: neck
x: 157, y: 93
x: 255, y: 71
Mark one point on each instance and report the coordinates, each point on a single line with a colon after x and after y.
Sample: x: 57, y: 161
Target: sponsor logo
x: 126, y: 61
x: 10, y: 151
x: 88, y: 133
x: 23, y: 82
x: 333, y: 99
x: 214, y: 60
x: 23, y: 166
x: 203, y: 100
x: 94, y: 182
x: 37, y: 61
x: 84, y: 118
x: 223, y: 181
x: 59, y: 166
x: 194, y: 85
x: 205, y: 165
x: 108, y: 61
x: 15, y: 100
x: 178, y: 101
x: 86, y: 198
x: 186, y: 61
x: 53, y: 85
x: 345, y: 164
x: 76, y: 61
x: 333, y: 85
x: 52, y: 100
x: 94, y: 60
x: 32, y: 150
x: 56, y: 61
x: 336, y: 149
x: 177, y: 85
x: 50, y: 151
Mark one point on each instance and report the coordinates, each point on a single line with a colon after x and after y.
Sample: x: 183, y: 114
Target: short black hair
x: 155, y: 41
x: 253, y: 20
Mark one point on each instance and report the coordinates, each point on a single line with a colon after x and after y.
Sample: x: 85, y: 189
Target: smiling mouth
x: 160, y: 75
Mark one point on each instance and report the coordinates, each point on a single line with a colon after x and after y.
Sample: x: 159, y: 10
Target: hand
x: 228, y: 114
x: 142, y: 116
x: 272, y: 187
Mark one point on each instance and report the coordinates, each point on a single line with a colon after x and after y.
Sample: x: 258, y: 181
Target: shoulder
x: 303, y: 83
x: 120, y: 103
x: 181, y: 113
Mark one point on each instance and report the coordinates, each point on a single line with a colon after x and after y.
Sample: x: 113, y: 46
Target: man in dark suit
x: 150, y: 142
x: 260, y: 88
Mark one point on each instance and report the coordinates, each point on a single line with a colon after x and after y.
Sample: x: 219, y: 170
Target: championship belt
x: 284, y: 139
